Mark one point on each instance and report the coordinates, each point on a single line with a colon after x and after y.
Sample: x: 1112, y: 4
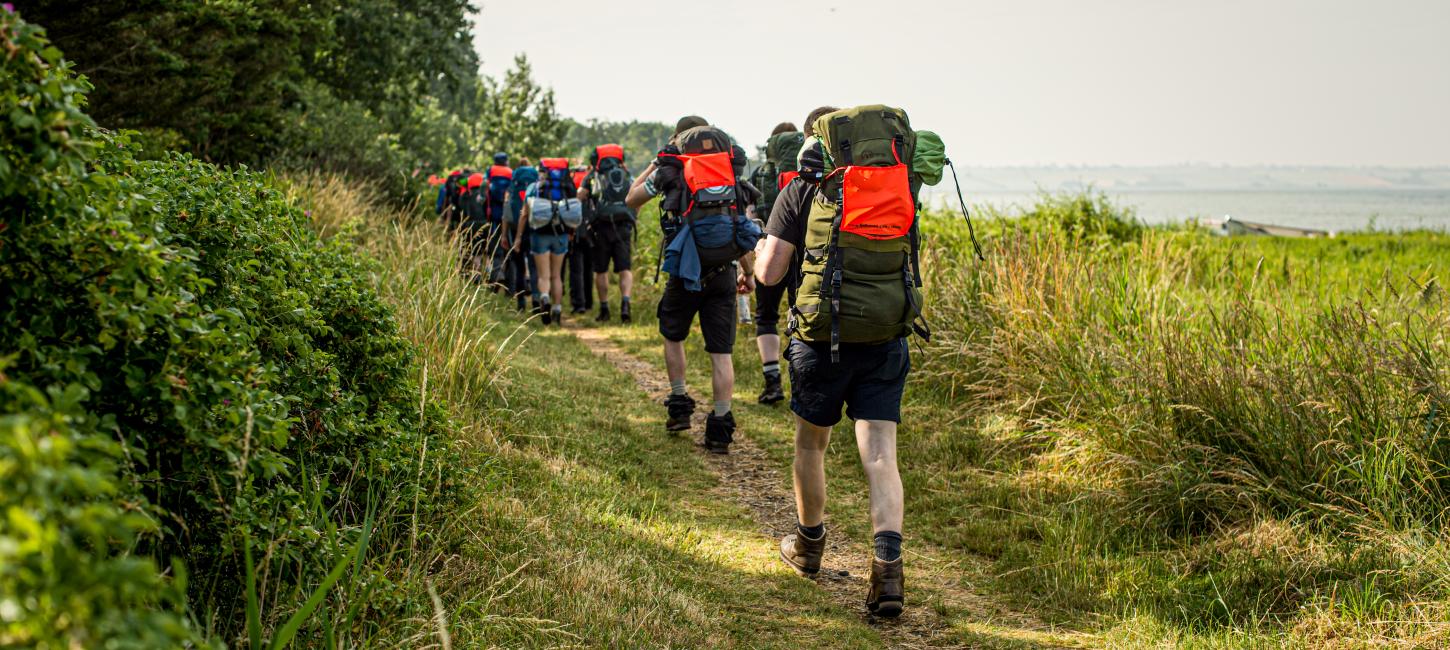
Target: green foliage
x: 519, y: 116
x: 185, y: 369
x: 230, y: 81
x: 1083, y: 218
x: 641, y: 140
x: 217, y: 73
x: 1179, y: 387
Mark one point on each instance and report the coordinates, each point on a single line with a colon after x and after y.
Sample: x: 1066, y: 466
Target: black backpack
x: 611, y: 184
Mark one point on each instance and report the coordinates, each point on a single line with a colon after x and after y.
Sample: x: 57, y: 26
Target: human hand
x: 746, y: 284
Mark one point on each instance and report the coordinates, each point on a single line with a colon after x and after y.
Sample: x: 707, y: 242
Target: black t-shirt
x: 791, y: 213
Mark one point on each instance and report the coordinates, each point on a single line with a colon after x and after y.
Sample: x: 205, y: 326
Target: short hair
x: 815, y: 115
x: 783, y: 127
x: 689, y: 122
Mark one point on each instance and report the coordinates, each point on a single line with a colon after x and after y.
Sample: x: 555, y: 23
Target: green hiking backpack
x: 778, y: 169
x: 859, y: 275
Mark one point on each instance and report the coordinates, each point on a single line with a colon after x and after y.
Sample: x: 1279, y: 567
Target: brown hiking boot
x: 802, y: 553
x: 884, y: 598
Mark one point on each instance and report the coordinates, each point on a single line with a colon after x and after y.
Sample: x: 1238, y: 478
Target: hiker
x: 611, y: 226
x: 443, y: 205
x: 777, y: 171
x: 706, y: 213
x: 451, y: 212
x: 551, y: 214
x: 848, y: 344
x: 520, y: 272
x: 580, y: 260
x: 500, y: 178
x: 473, y: 230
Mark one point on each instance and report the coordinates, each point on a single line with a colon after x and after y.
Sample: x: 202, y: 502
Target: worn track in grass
x: 940, y: 613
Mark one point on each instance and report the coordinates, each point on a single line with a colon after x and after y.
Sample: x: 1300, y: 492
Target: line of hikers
x: 827, y: 223
x: 523, y: 228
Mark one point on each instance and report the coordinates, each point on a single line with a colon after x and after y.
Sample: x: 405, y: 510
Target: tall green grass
x: 1231, y: 401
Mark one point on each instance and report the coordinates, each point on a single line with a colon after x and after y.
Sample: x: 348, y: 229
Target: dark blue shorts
x: 869, y: 381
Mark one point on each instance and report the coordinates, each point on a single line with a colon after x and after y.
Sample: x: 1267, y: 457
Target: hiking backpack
x: 554, y: 205
x: 778, y: 170
x: 611, y: 184
x: 500, y: 179
x: 475, y: 200
x: 858, y: 278
x: 707, y: 158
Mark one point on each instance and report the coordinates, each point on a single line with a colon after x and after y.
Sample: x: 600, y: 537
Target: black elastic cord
x: 963, y: 203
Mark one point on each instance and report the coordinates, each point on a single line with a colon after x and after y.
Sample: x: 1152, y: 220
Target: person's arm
x: 775, y: 253
x: 519, y: 229
x: 772, y: 259
x: 639, y: 193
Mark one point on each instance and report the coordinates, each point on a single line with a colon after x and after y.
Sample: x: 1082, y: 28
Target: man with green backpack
x: 853, y: 302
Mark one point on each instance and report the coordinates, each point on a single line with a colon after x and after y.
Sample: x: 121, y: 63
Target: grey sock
x: 721, y: 408
x: 772, y: 368
x: 888, y: 545
x: 677, y: 387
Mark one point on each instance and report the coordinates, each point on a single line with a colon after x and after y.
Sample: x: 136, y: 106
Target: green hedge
x: 186, y: 370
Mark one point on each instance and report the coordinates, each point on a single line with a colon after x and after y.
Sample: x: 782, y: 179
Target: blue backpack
x: 523, y: 178
x: 555, y: 181
x: 500, y: 179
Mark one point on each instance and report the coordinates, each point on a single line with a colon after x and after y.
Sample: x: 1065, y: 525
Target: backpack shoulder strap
x: 793, y: 284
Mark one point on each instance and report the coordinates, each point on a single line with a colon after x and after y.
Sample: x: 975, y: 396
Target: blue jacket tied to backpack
x: 682, y: 257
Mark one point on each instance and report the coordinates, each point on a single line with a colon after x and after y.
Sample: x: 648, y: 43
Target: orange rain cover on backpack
x: 500, y: 171
x: 786, y: 178
x: 708, y: 170
x: 609, y: 151
x: 579, y: 176
x: 554, y: 163
x: 475, y: 180
x: 876, y: 201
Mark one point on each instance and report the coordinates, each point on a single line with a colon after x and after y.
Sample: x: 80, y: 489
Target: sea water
x: 1334, y: 210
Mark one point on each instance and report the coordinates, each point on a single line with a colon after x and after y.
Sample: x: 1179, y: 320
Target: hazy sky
x: 1338, y: 82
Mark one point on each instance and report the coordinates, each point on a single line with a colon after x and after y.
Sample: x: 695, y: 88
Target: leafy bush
x: 189, y: 377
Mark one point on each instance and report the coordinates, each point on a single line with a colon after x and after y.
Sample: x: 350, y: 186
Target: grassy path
x: 944, y: 610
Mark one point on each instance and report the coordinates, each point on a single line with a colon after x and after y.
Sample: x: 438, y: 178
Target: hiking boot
x: 603, y: 316
x: 719, y: 433
x: 884, y: 598
x: 579, y: 310
x: 773, y: 392
x: 680, y: 407
x: 803, y: 553
x: 557, y: 313
x: 624, y: 312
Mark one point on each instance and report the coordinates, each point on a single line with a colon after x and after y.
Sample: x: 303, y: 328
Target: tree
x: 641, y: 140
x: 521, y: 117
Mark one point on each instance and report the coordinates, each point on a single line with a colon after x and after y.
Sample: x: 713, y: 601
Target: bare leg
x: 626, y: 283
x: 722, y: 376
x: 675, y: 360
x: 810, y: 471
x: 541, y: 262
x: 876, y: 441
x: 601, y: 287
x: 556, y: 275
x: 769, y: 345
